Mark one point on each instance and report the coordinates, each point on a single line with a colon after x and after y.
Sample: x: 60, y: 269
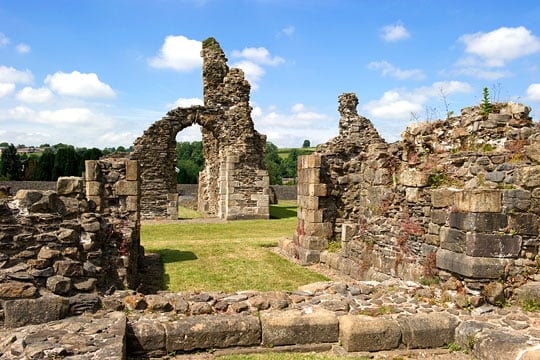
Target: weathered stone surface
x: 480, y: 200
x: 441, y: 198
x: 529, y: 177
x: 82, y: 303
x: 366, y: 333
x: 492, y: 245
x: 498, y: 345
x: 59, y: 285
x: 208, y: 332
x: 146, y: 337
x: 68, y: 268
x: 471, y: 267
x: 17, y: 290
x: 427, y: 330
x: 452, y: 239
x: 528, y: 292
x: 34, y: 311
x: 482, y: 222
x: 68, y: 185
x: 298, y: 327
x: 414, y: 178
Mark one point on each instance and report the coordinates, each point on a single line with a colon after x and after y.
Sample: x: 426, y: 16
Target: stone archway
x: 234, y: 183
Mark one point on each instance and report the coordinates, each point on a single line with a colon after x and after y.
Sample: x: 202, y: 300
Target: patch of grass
x: 187, y: 213
x: 530, y: 305
x: 228, y: 257
x: 284, y: 210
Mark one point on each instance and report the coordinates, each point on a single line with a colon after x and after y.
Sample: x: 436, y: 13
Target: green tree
x: 486, y: 107
x: 11, y: 166
x: 190, y: 161
x: 45, y: 165
x: 89, y: 154
x: 272, y: 161
x: 30, y: 166
x: 188, y: 172
x: 66, y: 163
x: 306, y: 144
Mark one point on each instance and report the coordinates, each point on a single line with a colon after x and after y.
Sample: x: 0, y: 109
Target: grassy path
x: 229, y: 257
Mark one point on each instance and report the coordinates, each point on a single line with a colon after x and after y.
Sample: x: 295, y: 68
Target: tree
x: 89, y: 154
x: 306, y: 144
x: 45, y: 165
x: 10, y: 164
x: 190, y: 161
x: 272, y: 161
x: 486, y: 107
x: 66, y: 163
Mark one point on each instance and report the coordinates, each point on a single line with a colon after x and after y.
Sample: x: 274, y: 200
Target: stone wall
x: 458, y: 197
x: 66, y: 243
x: 234, y: 182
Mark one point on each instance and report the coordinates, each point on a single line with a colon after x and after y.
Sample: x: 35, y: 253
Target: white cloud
x: 30, y: 95
x: 4, y: 40
x: 6, y: 89
x: 481, y: 73
x: 287, y: 31
x: 388, y: 69
x: 22, y: 48
x: 498, y: 47
x: 12, y: 75
x: 251, y: 61
x: 79, y: 84
x: 258, y: 55
x: 533, y: 92
x: 178, y: 53
x: 183, y: 102
x: 396, y: 32
x: 398, y: 104
x: 299, y: 107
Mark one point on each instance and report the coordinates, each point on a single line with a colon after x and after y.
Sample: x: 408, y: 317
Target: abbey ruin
x: 434, y: 234
x: 234, y: 183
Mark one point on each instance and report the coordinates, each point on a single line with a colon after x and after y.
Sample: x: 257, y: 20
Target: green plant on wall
x: 486, y: 107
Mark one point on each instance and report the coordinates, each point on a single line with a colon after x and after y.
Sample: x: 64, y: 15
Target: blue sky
x: 99, y: 72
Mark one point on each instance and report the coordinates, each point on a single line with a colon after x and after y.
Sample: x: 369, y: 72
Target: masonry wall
x: 67, y: 242
x: 458, y: 197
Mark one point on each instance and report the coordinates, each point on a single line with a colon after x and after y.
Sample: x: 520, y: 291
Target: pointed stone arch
x: 234, y: 183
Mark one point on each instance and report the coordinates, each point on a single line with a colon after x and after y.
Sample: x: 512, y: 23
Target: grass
x: 187, y: 213
x: 229, y: 257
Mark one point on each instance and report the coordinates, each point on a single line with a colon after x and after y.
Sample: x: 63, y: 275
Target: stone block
x: 307, y: 256
x: 34, y: 311
x: 431, y: 330
x: 524, y: 224
x: 452, y: 239
x: 209, y: 332
x: 412, y: 195
x: 299, y: 327
x: 17, y: 290
x: 124, y: 187
x: 471, y: 267
x: 146, y: 336
x: 441, y: 198
x: 313, y: 242
x: 317, y: 190
x: 68, y: 268
x: 500, y: 345
x: 492, y: 245
x: 59, y: 285
x: 414, y: 178
x: 309, y: 215
x: 348, y: 231
x: 528, y: 177
x: 478, y: 200
x: 323, y: 229
x: 93, y: 188
x: 69, y: 185
x: 366, y: 333
x: 482, y: 222
x: 517, y: 199
x: 528, y: 292
x: 132, y: 170
x: 439, y: 217
x: 92, y: 172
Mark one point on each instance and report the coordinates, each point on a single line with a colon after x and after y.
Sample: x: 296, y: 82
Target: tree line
x: 49, y: 163
x: 65, y: 160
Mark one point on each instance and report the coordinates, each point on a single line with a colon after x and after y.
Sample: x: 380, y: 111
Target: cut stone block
x: 299, y: 327
x: 471, y: 267
x: 414, y: 178
x: 484, y: 200
x: 492, y: 245
x: 427, y: 330
x: 452, y: 239
x: 366, y: 333
x: 34, y: 311
x: 483, y: 222
x: 68, y: 185
x: 441, y: 198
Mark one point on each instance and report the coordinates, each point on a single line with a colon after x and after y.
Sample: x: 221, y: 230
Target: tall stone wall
x: 234, y: 182
x: 458, y: 197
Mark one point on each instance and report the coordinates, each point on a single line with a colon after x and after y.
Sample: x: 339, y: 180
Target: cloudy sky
x: 99, y: 72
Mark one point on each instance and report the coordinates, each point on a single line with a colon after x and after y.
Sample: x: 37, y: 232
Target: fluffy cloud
x: 6, y: 89
x: 73, y: 117
x: 287, y: 31
x: 22, y: 48
x: 12, y: 75
x: 396, y: 32
x: 183, y: 102
x: 251, y: 61
x: 533, y: 92
x: 178, y: 53
x: 79, y: 84
x: 30, y: 95
x: 398, y: 104
x: 4, y: 40
x: 388, y: 69
x: 498, y: 47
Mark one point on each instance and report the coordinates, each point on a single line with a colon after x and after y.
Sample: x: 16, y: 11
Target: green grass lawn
x: 228, y: 257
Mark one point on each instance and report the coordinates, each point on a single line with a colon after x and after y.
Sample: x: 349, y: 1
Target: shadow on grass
x: 172, y: 256
x: 282, y: 212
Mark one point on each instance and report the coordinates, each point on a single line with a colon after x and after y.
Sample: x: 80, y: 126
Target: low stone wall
x: 285, y: 192
x: 28, y: 185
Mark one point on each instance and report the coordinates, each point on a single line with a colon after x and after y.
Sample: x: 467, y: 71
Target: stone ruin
x: 458, y: 198
x: 58, y: 249
x: 234, y: 183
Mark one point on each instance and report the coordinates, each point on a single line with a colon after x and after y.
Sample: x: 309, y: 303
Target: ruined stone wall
x: 63, y: 242
x: 458, y: 197
x: 234, y: 182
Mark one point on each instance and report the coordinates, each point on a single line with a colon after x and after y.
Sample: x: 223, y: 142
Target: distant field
x: 284, y: 152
